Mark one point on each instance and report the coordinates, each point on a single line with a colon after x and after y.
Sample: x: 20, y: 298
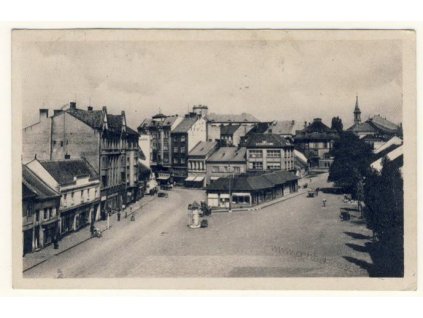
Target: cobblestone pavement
x: 294, y: 238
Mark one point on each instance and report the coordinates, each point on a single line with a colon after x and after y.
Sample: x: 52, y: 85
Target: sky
x: 273, y: 78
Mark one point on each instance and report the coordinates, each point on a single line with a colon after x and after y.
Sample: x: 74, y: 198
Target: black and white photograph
x: 214, y: 155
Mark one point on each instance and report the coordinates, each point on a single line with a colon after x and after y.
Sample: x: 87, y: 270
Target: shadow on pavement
x: 358, y: 236
x: 357, y: 248
x: 386, y: 262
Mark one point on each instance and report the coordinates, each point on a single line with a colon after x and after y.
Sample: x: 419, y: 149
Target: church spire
x: 357, y: 112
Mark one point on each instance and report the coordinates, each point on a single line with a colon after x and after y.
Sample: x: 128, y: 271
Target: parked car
x: 162, y: 194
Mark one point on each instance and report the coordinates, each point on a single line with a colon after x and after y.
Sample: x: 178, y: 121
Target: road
x: 294, y: 238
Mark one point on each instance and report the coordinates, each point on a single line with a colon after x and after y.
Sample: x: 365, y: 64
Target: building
x: 156, y: 140
x: 267, y: 152
x: 396, y: 156
x: 300, y: 163
x: 79, y: 185
x: 104, y: 140
x: 247, y: 190
x: 215, y: 122
x: 231, y: 135
x: 40, y: 212
x: 197, y: 163
x: 283, y: 128
x: 190, y: 131
x: 316, y: 141
x: 376, y: 130
x: 224, y: 162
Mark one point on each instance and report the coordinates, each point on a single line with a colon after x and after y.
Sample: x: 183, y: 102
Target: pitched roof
x: 228, y: 154
x: 234, y: 118
x: 246, y: 182
x: 384, y: 124
x: 228, y: 129
x: 393, y: 141
x: 285, y: 127
x: 32, y: 185
x: 266, y: 141
x: 392, y: 156
x: 317, y: 130
x: 203, y: 148
x: 185, y: 125
x: 64, y: 171
x: 92, y: 118
x: 365, y: 127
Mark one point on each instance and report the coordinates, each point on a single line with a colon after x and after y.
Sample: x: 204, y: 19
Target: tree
x: 337, y: 124
x: 352, y: 158
x: 384, y: 214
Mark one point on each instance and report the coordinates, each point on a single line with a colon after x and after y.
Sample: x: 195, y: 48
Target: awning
x: 224, y: 196
x: 241, y: 194
x: 163, y: 177
x: 191, y: 178
x: 199, y: 179
x: 213, y: 195
x: 214, y: 178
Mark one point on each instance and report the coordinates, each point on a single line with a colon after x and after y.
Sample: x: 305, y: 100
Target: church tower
x: 357, y: 112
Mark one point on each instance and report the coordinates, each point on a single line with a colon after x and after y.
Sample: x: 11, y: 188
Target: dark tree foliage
x: 384, y: 213
x: 337, y: 124
x: 352, y: 158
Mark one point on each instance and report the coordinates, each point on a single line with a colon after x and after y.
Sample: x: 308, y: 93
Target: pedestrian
x: 133, y: 217
x: 118, y: 216
x: 92, y: 229
x: 324, y: 202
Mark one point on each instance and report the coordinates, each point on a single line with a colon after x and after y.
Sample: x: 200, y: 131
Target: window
x: 54, y: 142
x: 273, y: 153
x: 255, y: 153
x: 175, y: 149
x: 61, y: 143
x: 37, y: 215
x: 274, y: 166
x: 45, y: 214
x: 175, y: 160
x: 215, y: 169
x: 182, y: 149
x: 237, y: 169
x: 182, y: 160
x: 182, y: 138
x: 257, y: 165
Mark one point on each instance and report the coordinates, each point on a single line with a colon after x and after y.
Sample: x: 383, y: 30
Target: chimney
x: 72, y: 105
x: 305, y: 124
x: 57, y: 112
x: 104, y: 109
x: 90, y: 108
x: 43, y: 113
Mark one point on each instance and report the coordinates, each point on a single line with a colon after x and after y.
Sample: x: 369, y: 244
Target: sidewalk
x: 74, y: 239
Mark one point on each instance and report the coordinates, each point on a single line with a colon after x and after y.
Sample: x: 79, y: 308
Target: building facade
x: 103, y: 139
x: 190, y: 131
x: 376, y: 130
x: 79, y: 186
x: 215, y: 122
x: 155, y: 136
x: 268, y: 152
x: 40, y: 212
x: 248, y: 190
x: 225, y: 161
x: 197, y: 163
x: 316, y: 141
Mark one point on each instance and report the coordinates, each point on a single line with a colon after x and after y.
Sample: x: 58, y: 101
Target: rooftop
x: 234, y: 118
x: 285, y: 127
x: 64, y: 171
x: 248, y: 182
x: 203, y: 148
x: 228, y: 129
x: 228, y: 154
x: 266, y: 141
x: 32, y: 186
x: 185, y: 125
